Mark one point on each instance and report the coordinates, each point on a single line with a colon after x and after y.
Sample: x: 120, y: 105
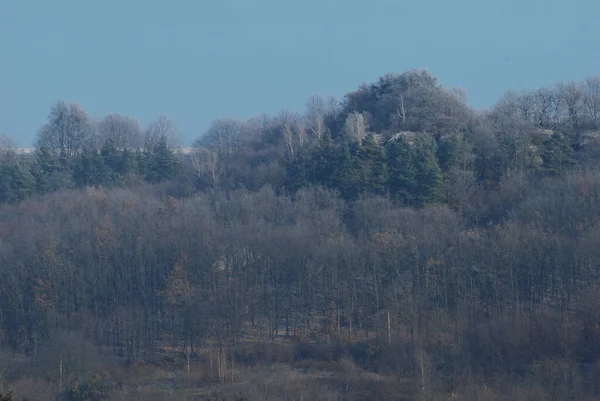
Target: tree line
x: 404, y: 136
x: 451, y: 251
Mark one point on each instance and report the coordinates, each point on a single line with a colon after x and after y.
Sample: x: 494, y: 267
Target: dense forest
x: 394, y: 245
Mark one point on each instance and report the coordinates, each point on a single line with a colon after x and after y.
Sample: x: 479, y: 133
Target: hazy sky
x: 195, y: 60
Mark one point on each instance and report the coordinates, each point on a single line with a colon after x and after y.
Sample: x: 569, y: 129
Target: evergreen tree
x: 557, y: 155
x: 140, y: 160
x: 428, y: 175
x: 401, y: 170
x: 16, y: 181
x: 446, y: 152
x: 129, y: 163
x: 372, y: 165
x: 324, y: 162
x: 111, y: 156
x: 346, y: 177
x: 162, y: 164
x: 299, y: 171
x: 51, y: 173
x: 89, y: 169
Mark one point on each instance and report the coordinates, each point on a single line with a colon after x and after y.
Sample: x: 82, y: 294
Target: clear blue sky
x: 196, y: 60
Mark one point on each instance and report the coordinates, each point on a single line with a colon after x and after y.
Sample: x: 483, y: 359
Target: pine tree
x: 299, y: 172
x: 141, y: 160
x: 111, y: 156
x: 16, y: 181
x: 129, y: 163
x: 162, y: 164
x: 557, y: 155
x: 447, y: 150
x: 89, y: 169
x: 401, y: 170
x: 373, y: 166
x: 428, y: 175
x: 324, y: 162
x: 346, y: 177
x: 51, y: 173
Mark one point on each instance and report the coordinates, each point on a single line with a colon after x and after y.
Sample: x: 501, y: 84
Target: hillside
x: 394, y: 245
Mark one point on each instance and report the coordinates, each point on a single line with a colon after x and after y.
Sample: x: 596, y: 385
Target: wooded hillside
x: 394, y: 245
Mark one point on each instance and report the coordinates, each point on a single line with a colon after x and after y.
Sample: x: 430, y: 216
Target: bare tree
x: 123, y: 131
x: 223, y: 137
x: 68, y: 129
x: 592, y: 100
x: 543, y: 99
x: 332, y: 106
x: 316, y: 116
x: 526, y: 105
x: 162, y: 127
x: 401, y: 111
x: 507, y: 107
x: 289, y: 125
x: 460, y: 94
x: 356, y: 126
x: 573, y: 97
x: 301, y: 131
x: 7, y: 147
x: 206, y: 162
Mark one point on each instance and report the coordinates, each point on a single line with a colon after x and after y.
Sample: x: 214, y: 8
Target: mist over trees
x: 396, y: 244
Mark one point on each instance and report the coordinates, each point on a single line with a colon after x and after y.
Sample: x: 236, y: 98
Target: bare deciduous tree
x: 543, y: 107
x: 316, y: 116
x: 206, y: 162
x: 573, y: 97
x: 123, y: 131
x: 223, y: 137
x: 68, y: 129
x: 162, y: 127
x: 289, y: 123
x: 592, y: 100
x: 356, y: 126
x: 7, y: 146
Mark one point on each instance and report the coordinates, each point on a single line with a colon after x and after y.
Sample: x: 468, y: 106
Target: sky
x: 197, y: 60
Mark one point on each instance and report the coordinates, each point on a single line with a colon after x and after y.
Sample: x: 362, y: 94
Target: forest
x: 396, y: 244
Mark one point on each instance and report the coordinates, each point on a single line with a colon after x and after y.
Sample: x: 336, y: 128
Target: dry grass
x: 298, y: 369
x: 33, y: 390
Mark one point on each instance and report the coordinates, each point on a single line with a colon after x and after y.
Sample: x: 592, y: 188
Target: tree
x: 90, y: 169
x: 592, y: 100
x: 572, y: 96
x: 162, y: 129
x: 7, y: 147
x: 316, y: 113
x: 410, y: 101
x: 16, y: 181
x: 401, y: 169
x: 123, y: 132
x: 543, y: 107
x: 356, y: 126
x: 224, y: 137
x: 557, y: 155
x: 428, y: 175
x: 373, y: 167
x: 112, y: 157
x: 50, y: 171
x: 347, y: 174
x: 292, y: 132
x: 67, y: 131
x: 300, y: 170
x: 162, y: 164
x: 207, y: 165
x: 323, y: 164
